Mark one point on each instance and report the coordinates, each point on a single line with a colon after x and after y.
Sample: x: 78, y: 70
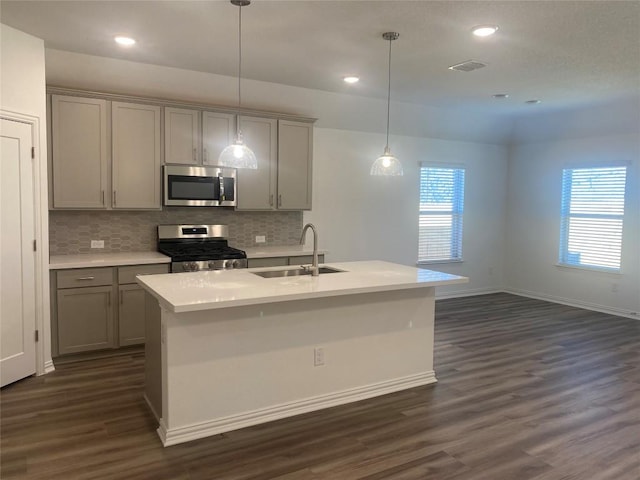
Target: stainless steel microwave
x: 199, y: 186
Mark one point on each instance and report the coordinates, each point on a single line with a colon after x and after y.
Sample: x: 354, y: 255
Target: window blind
x: 592, y: 214
x: 441, y: 210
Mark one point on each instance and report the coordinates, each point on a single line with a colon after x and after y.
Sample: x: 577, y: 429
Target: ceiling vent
x: 467, y: 66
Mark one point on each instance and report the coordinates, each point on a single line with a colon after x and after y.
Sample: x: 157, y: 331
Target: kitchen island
x: 230, y: 349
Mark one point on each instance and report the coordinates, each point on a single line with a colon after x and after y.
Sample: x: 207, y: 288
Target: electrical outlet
x: 261, y: 239
x: 97, y: 243
x: 318, y: 356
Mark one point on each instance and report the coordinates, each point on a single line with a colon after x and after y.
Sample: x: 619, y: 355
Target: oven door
x: 199, y: 186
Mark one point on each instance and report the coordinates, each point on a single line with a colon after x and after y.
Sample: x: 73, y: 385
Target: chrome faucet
x: 314, y: 267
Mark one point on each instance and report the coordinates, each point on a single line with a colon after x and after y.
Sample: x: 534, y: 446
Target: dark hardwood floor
x: 527, y: 390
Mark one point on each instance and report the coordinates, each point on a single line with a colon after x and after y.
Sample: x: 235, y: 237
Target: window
x: 441, y: 207
x: 591, y: 217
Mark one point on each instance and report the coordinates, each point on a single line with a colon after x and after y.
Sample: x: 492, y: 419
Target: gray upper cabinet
x: 79, y: 152
x: 257, y: 188
x: 181, y: 136
x: 295, y: 154
x: 108, y: 154
x: 136, y: 156
x: 284, y: 150
x: 217, y: 133
x: 104, y: 154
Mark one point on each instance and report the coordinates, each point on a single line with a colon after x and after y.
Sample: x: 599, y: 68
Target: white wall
x: 22, y: 92
x: 360, y: 217
x: 533, y: 218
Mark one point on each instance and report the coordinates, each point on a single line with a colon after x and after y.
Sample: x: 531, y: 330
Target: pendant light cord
x: 238, y: 132
x: 389, y: 93
x: 239, y: 54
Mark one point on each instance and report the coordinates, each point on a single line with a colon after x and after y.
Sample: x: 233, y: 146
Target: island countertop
x: 197, y: 291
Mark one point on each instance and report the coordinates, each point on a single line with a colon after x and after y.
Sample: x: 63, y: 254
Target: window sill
x: 589, y: 269
x: 436, y: 262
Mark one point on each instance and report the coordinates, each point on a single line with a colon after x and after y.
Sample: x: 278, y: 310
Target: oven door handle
x: 221, y: 180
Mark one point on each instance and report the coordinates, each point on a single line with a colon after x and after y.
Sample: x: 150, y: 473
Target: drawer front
x: 84, y: 277
x: 305, y: 259
x: 128, y: 274
x: 268, y: 262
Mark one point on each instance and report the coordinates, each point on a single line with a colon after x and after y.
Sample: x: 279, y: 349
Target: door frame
x: 44, y: 363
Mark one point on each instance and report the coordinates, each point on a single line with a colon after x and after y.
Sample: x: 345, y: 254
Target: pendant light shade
x: 387, y: 164
x: 238, y: 155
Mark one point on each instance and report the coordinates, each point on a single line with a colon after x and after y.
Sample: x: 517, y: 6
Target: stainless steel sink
x: 294, y: 272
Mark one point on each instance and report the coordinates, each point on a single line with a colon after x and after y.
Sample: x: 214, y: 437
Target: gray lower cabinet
x: 84, y: 319
x: 131, y: 315
x: 131, y: 302
x: 84, y: 310
x: 282, y: 261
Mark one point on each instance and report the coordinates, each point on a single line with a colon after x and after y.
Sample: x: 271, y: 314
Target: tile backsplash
x: 71, y: 232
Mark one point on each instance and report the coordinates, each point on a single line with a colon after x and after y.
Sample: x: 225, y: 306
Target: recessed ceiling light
x: 533, y: 102
x: 501, y: 96
x: 484, y: 30
x: 124, y: 41
x: 351, y: 79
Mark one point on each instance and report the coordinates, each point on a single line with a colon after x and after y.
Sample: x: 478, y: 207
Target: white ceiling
x: 565, y: 53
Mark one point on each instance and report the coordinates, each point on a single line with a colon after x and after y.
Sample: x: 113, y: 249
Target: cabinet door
x: 217, y: 133
x: 257, y: 188
x: 80, y: 152
x: 85, y: 319
x: 131, y: 315
x: 295, y: 154
x: 181, y: 127
x: 136, y: 156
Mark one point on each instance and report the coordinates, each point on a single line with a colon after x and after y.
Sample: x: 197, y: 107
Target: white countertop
x: 194, y: 291
x: 88, y: 260
x: 281, y: 251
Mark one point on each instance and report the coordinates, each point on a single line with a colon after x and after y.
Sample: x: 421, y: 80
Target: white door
x: 17, y: 268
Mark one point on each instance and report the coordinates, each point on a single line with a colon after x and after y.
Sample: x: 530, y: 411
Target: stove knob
x: 212, y: 265
x: 235, y: 264
x: 190, y: 267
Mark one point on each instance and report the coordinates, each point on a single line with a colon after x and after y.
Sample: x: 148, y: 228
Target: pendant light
x: 238, y: 155
x: 387, y: 164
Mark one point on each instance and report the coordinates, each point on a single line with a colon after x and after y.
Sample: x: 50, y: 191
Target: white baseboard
x: 49, y: 366
x: 225, y: 424
x: 573, y: 303
x: 467, y: 293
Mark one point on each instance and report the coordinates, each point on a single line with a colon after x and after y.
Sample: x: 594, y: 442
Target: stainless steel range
x: 199, y: 247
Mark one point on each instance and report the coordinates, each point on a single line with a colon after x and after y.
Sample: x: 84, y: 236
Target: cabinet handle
x: 85, y: 278
x: 271, y: 200
x: 195, y: 159
x: 102, y: 197
x: 206, y: 156
x: 114, y: 198
x: 280, y: 200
